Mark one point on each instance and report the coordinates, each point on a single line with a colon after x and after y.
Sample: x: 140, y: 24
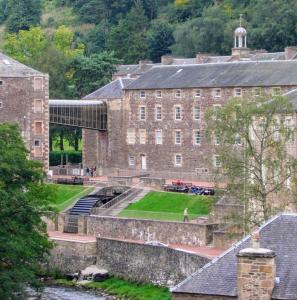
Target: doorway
x: 143, y: 162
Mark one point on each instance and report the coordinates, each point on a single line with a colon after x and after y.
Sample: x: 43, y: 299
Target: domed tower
x: 240, y: 41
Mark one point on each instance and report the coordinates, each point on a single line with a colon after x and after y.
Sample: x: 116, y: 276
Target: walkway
x: 208, y: 252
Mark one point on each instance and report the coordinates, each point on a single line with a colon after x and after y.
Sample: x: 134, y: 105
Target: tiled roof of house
x: 112, y: 90
x: 219, y: 277
x: 12, y: 68
x: 230, y: 74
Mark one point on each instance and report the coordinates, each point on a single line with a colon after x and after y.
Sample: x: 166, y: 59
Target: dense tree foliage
x: 23, y: 198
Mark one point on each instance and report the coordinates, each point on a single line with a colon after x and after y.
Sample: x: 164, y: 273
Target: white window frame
x: 141, y: 110
x: 198, y: 93
x: 159, y: 94
x: 176, y: 163
x: 142, y: 94
x: 177, y: 137
x: 156, y: 112
x: 177, y: 93
x: 131, y: 136
x: 180, y: 112
x: 131, y: 160
x: 195, y: 107
x: 35, y: 106
x: 238, y: 92
x: 197, y: 137
x: 216, y: 161
x: 217, y: 139
x: 217, y: 92
x: 142, y: 136
x: 158, y: 137
x: 42, y: 84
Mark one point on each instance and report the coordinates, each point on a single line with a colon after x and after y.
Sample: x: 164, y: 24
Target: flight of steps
x: 135, y: 196
x: 84, y: 205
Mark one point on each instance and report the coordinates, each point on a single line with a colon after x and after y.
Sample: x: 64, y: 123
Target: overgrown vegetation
x: 168, y: 206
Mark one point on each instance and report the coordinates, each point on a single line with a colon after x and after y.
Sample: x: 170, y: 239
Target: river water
x: 62, y: 293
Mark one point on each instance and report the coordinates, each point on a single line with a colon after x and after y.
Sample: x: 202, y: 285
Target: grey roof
x: 133, y: 70
x: 12, y: 68
x: 230, y: 74
x: 219, y: 276
x: 112, y: 90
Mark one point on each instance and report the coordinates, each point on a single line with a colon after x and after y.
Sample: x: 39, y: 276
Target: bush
x: 74, y: 157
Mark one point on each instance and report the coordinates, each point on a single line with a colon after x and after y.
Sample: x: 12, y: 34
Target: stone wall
x: 165, y: 232
x: 146, y: 263
x: 71, y: 256
x: 152, y: 182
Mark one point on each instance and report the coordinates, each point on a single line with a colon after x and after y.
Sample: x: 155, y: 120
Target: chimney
x: 166, y: 59
x: 290, y: 53
x: 255, y: 272
x: 201, y: 58
x: 144, y: 62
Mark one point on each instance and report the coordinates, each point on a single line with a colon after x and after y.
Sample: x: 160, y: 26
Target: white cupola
x: 240, y: 41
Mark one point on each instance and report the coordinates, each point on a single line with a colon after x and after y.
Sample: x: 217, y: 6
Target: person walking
x: 186, y: 215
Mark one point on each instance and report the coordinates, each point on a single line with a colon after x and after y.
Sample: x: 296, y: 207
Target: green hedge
x: 74, y: 157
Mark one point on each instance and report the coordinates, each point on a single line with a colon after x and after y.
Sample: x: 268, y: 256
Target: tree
x: 90, y: 73
x: 22, y: 14
x: 23, y: 199
x: 253, y: 136
x: 160, y: 38
x: 128, y: 38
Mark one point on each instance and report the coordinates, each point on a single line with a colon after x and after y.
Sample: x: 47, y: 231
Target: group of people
x: 91, y: 171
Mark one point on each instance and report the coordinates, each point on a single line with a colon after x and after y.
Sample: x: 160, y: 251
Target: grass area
x: 131, y: 290
x: 65, y: 195
x: 168, y: 206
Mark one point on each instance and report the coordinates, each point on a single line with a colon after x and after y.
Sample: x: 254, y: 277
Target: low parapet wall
x: 166, y: 232
x: 146, y: 263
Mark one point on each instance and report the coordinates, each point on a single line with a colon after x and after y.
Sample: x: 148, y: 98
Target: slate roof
x: 132, y: 70
x: 230, y: 74
x: 112, y: 90
x: 12, y: 68
x: 219, y: 276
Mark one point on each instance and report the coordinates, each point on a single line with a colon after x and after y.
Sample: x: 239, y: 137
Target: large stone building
x: 156, y: 111
x: 24, y: 100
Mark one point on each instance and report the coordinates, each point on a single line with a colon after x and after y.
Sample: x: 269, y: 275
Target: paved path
x: 208, y: 252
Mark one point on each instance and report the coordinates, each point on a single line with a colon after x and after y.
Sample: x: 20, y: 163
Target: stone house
x: 24, y: 100
x: 256, y: 268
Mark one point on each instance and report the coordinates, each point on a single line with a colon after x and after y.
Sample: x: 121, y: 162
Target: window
x: 37, y: 143
x: 197, y: 137
x: 131, y: 161
x: 158, y: 113
x: 237, y: 139
x: 142, y: 113
x: 131, y: 136
x: 178, y: 160
x: 37, y: 148
x: 142, y: 136
x: 196, y: 112
x: 289, y: 129
x: 198, y: 93
x: 142, y: 94
x: 238, y: 92
x: 38, y: 127
x: 177, y: 137
x: 178, y: 93
x: 37, y: 106
x: 217, y: 161
x: 159, y: 137
x: 256, y: 92
x: 38, y: 84
x: 1, y: 105
x: 217, y: 139
x: 177, y: 114
x: 1, y: 82
x: 217, y: 93
x: 216, y: 110
x: 159, y: 94
x: 276, y: 91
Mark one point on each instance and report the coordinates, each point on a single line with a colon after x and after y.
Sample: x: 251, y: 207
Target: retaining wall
x: 147, y: 263
x: 166, y: 232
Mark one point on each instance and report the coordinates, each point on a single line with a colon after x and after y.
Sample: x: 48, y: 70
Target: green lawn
x: 168, y: 206
x: 65, y: 195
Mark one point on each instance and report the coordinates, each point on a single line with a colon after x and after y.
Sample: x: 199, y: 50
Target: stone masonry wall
x: 71, y: 256
x: 146, y: 263
x: 165, y: 232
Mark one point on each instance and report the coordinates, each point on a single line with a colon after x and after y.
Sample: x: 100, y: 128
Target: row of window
x: 216, y: 92
x: 178, y: 160
x: 177, y: 112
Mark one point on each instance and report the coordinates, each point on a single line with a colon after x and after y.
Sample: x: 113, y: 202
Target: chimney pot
x: 290, y: 52
x: 166, y: 59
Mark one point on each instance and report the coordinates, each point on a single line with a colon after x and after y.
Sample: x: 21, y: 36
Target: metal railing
x: 71, y: 224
